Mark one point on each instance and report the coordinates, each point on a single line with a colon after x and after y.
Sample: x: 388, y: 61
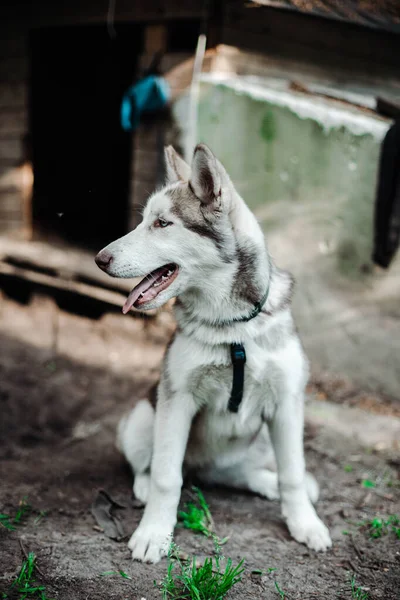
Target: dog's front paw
x: 311, y: 531
x: 150, y: 543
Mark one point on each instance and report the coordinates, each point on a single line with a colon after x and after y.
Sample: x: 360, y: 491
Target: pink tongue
x: 145, y: 287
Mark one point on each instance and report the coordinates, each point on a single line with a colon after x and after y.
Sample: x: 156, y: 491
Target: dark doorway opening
x: 81, y: 156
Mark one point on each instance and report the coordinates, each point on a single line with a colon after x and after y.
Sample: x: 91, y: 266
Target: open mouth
x: 149, y: 288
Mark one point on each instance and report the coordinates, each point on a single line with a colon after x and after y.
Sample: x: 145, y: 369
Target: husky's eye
x: 161, y: 223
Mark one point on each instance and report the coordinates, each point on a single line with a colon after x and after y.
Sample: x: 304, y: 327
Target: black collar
x: 238, y: 355
x: 256, y: 310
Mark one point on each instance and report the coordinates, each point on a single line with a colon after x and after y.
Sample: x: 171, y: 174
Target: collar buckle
x: 238, y: 354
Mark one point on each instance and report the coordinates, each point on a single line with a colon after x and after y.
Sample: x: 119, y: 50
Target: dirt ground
x: 64, y: 382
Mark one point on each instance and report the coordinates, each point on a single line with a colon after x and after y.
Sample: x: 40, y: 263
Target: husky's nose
x: 103, y: 260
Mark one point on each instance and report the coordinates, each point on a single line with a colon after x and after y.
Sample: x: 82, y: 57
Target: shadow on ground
x: 58, y: 418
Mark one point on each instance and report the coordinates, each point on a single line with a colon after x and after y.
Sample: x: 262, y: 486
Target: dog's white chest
x: 208, y: 377
x: 207, y: 373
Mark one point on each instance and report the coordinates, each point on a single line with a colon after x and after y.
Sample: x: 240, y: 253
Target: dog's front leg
x: 286, y: 430
x: 151, y: 540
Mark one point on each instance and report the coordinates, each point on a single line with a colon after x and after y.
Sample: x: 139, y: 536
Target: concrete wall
x: 308, y: 169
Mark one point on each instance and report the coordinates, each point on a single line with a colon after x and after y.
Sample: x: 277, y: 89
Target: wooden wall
x: 346, y: 49
x: 17, y: 20
x: 320, y: 41
x: 13, y: 126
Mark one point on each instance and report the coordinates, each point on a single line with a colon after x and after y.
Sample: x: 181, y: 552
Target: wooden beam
x: 51, y: 284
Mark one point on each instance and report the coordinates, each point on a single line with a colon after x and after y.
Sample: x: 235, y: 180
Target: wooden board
x: 66, y: 270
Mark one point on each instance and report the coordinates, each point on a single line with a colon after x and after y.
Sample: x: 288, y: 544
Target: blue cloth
x: 148, y: 95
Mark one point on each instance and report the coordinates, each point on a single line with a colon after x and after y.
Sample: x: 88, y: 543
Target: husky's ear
x: 177, y: 168
x: 206, y: 177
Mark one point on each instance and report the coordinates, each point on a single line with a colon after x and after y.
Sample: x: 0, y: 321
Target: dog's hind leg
x: 135, y: 441
x: 255, y: 471
x: 257, y: 480
x: 254, y: 479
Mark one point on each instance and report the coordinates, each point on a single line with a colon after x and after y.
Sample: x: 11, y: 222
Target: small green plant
x: 261, y: 572
x: 25, y: 583
x: 10, y: 522
x: 357, y: 592
x: 376, y: 528
x: 197, y: 516
x: 280, y: 591
x: 188, y: 580
x: 23, y: 508
x: 348, y: 468
x: 367, y: 483
x: 6, y: 522
x: 120, y: 572
x: 379, y: 527
x: 395, y: 525
x: 40, y: 516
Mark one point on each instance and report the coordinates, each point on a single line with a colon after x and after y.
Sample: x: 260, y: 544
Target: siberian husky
x: 234, y: 423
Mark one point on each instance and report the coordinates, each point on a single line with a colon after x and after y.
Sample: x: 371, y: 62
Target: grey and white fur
x: 199, y: 223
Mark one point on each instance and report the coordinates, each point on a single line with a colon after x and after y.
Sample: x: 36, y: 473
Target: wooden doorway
x: 81, y: 155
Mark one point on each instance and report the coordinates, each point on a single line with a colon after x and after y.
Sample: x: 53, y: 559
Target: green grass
x: 9, y: 522
x: 282, y: 594
x: 261, y: 572
x: 280, y: 591
x: 6, y: 522
x: 120, y: 572
x: 25, y: 584
x: 357, y: 593
x: 378, y: 527
x: 189, y: 581
x: 367, y: 483
x: 40, y: 516
x: 197, y: 515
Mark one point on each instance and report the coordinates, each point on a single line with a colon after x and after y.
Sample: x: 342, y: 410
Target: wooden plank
x: 233, y: 60
x: 179, y: 77
x: 13, y: 121
x: 10, y: 226
x: 12, y: 42
x: 145, y: 167
x: 53, y: 283
x: 75, y: 12
x: 10, y: 179
x: 48, y: 281
x: 64, y: 261
x: 377, y: 14
x: 285, y: 48
x: 267, y: 29
x: 141, y: 192
x: 10, y: 150
x: 14, y: 69
x: 173, y: 59
x: 155, y: 38
x: 13, y: 94
x: 10, y: 202
x: 388, y: 108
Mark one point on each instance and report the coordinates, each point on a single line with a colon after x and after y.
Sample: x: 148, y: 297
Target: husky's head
x: 187, y: 238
